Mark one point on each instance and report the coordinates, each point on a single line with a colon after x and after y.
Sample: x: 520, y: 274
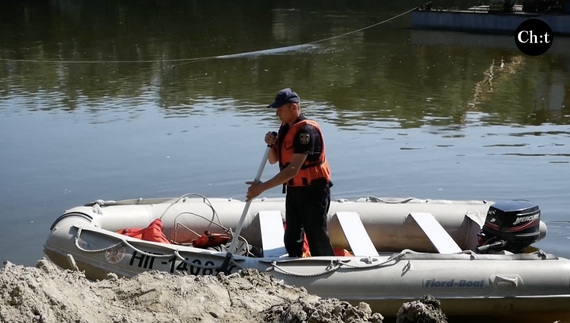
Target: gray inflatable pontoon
x: 403, y: 248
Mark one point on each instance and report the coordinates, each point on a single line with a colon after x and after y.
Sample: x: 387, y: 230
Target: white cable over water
x: 190, y: 60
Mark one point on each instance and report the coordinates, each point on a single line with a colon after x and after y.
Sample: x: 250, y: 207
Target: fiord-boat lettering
x: 454, y: 283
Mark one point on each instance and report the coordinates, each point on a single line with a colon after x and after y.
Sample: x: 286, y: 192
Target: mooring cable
x: 196, y: 59
x: 361, y: 29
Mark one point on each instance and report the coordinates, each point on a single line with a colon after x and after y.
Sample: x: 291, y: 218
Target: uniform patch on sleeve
x: 304, y: 138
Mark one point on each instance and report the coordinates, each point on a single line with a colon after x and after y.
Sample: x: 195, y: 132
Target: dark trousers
x: 306, y: 211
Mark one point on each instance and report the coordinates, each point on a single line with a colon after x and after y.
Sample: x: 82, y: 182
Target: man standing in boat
x: 304, y: 173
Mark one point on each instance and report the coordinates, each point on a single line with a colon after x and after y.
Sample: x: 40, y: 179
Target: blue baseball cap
x: 283, y: 97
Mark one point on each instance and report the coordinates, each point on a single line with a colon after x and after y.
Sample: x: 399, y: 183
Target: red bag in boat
x: 154, y: 232
x: 209, y: 239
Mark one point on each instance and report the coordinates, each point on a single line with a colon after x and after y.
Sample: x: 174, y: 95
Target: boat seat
x: 356, y: 234
x: 441, y: 240
x: 272, y: 233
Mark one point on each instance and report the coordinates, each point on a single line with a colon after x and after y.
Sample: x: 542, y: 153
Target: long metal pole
x: 235, y: 237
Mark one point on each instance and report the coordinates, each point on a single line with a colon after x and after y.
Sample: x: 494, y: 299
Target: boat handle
x: 504, y: 281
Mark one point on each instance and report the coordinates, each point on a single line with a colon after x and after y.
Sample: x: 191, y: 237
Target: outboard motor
x: 510, y: 226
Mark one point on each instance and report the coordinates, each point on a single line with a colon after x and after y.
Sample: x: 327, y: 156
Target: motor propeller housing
x: 510, y: 226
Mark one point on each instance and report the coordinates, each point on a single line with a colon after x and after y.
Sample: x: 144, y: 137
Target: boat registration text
x: 175, y: 265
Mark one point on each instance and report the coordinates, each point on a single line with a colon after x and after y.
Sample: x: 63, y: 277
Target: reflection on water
x: 120, y: 99
x: 445, y: 38
x: 383, y: 74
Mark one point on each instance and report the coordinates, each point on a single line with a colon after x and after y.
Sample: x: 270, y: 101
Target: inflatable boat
x: 476, y: 257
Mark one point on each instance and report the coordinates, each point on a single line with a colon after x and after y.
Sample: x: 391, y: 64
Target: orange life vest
x: 132, y: 232
x: 310, y: 170
x: 154, y: 232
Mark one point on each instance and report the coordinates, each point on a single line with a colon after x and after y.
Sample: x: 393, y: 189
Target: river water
x: 122, y: 100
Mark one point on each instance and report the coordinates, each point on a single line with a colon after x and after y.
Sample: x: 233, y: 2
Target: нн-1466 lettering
x: 176, y: 265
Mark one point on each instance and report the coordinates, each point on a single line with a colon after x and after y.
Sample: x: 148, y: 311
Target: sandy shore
x: 45, y: 293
